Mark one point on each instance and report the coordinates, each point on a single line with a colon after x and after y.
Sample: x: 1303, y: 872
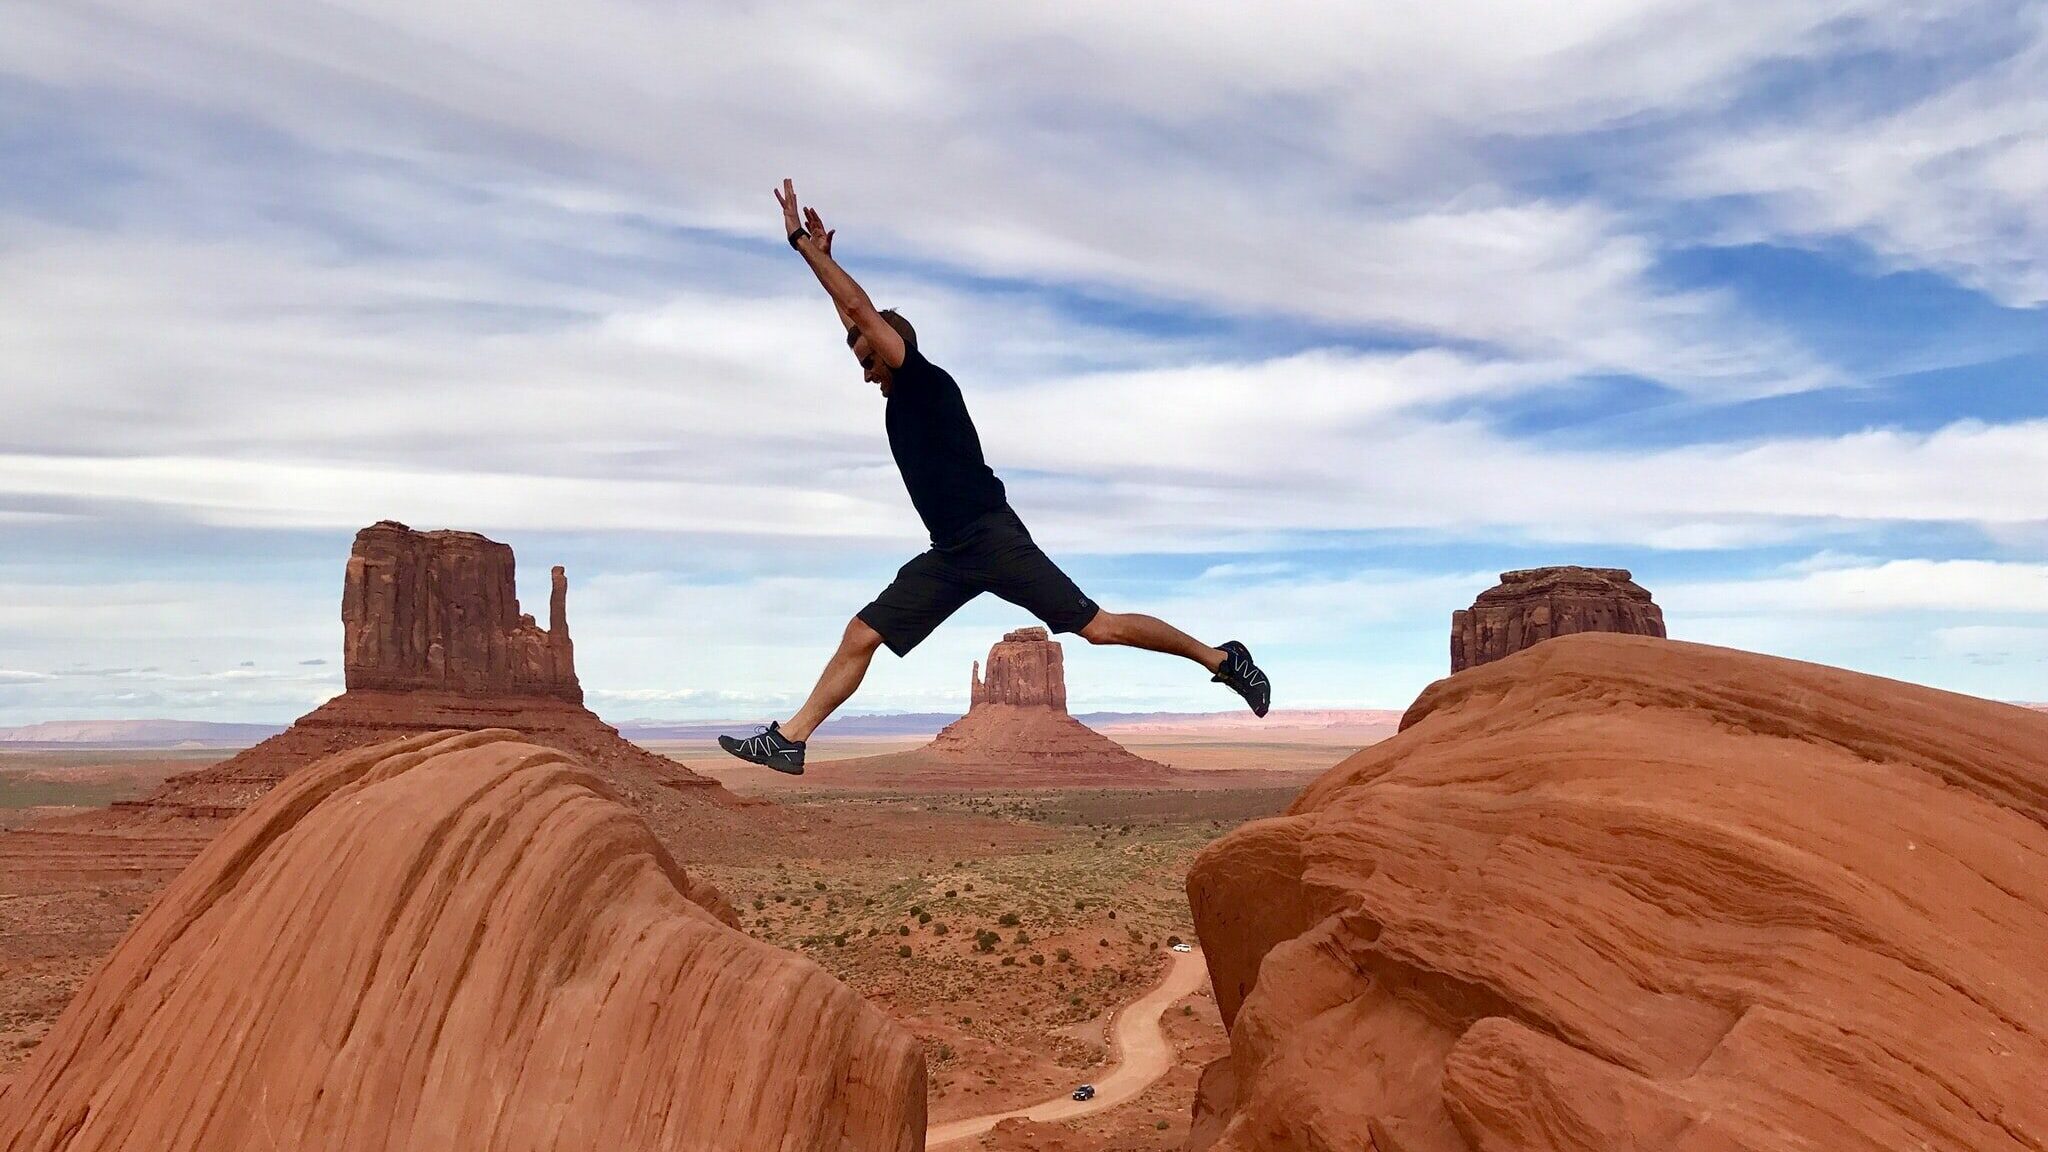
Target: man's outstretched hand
x: 820, y: 235
x: 786, y: 196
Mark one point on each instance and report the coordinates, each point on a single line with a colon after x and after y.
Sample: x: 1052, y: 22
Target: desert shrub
x: 1038, y: 959
x: 924, y: 917
x: 1009, y: 920
x: 1064, y: 956
x: 759, y: 903
x: 903, y: 929
x: 871, y: 930
x: 781, y: 899
x: 1102, y: 943
x: 903, y: 950
x: 969, y: 887
x: 839, y: 941
x: 986, y: 941
x: 1022, y: 937
x: 1172, y: 940
x: 940, y: 928
x: 917, y: 909
x: 1008, y: 961
x: 952, y: 892
x: 1074, y: 1000
x: 818, y: 884
x: 1161, y: 1126
x: 1080, y: 904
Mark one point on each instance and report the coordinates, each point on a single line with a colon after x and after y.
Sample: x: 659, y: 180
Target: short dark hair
x: 896, y: 321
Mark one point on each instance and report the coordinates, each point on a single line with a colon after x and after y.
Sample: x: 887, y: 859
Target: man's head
x: 873, y: 368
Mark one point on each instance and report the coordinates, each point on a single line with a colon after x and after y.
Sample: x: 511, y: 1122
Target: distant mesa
x: 1617, y: 893
x: 432, y: 638
x: 1026, y: 669
x: 439, y: 612
x: 1016, y: 731
x: 1534, y: 604
x: 508, y: 960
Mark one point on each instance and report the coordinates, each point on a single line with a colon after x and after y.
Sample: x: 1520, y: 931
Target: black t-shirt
x: 933, y: 440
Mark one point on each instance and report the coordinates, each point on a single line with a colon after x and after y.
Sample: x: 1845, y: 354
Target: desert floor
x: 1007, y: 954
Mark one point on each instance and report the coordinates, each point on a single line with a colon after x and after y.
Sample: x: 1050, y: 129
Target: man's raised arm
x: 814, y: 244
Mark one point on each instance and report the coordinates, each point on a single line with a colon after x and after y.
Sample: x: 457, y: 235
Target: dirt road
x: 1145, y: 1054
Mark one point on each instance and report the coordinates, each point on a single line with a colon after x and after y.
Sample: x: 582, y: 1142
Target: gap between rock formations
x: 1144, y: 1054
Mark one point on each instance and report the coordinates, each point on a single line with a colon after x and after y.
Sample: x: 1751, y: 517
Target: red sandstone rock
x: 1017, y: 732
x: 1535, y: 604
x: 456, y: 941
x: 1614, y: 893
x: 1025, y: 669
x: 433, y: 639
x: 439, y: 611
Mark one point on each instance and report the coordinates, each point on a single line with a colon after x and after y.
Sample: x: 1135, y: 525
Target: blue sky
x: 1295, y: 327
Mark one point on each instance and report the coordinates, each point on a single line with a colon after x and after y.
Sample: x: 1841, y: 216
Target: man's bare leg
x: 836, y: 684
x: 1137, y: 630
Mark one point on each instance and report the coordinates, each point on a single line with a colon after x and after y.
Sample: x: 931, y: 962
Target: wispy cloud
x: 1232, y: 292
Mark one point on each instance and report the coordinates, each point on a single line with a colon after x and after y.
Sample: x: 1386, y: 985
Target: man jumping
x: 978, y: 543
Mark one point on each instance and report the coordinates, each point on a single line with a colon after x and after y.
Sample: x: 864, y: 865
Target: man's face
x: 872, y: 369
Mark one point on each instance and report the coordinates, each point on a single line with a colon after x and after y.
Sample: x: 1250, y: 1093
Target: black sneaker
x: 770, y: 747
x: 1243, y: 676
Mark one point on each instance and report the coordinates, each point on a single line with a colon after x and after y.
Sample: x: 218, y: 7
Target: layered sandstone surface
x: 457, y: 941
x: 1535, y: 604
x: 1016, y: 732
x: 1619, y: 893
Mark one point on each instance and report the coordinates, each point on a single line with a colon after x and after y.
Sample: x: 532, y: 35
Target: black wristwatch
x: 796, y: 235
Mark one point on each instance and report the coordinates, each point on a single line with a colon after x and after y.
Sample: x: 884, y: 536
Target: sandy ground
x: 1144, y: 1053
x: 1228, y: 759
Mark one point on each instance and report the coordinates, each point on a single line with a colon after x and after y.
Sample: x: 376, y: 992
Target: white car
x: 1183, y: 948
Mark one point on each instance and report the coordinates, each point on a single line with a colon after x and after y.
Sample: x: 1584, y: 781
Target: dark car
x: 1085, y: 1092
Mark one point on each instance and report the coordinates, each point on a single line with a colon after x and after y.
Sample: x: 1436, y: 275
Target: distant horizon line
x: 170, y: 730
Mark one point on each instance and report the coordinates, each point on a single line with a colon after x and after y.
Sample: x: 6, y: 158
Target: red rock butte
x: 1620, y: 893
x: 439, y: 612
x: 1534, y: 604
x: 1016, y: 732
x: 457, y: 941
x: 432, y: 638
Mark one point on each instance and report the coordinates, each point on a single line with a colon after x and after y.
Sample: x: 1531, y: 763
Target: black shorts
x: 993, y: 553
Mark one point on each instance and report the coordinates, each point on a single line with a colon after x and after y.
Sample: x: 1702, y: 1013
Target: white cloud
x: 1955, y: 182
x: 1333, y: 165
x: 1890, y: 587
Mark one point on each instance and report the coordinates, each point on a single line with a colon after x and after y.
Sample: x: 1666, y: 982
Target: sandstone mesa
x: 432, y: 638
x: 1535, y: 604
x: 457, y: 941
x: 1617, y: 893
x: 1017, y: 732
